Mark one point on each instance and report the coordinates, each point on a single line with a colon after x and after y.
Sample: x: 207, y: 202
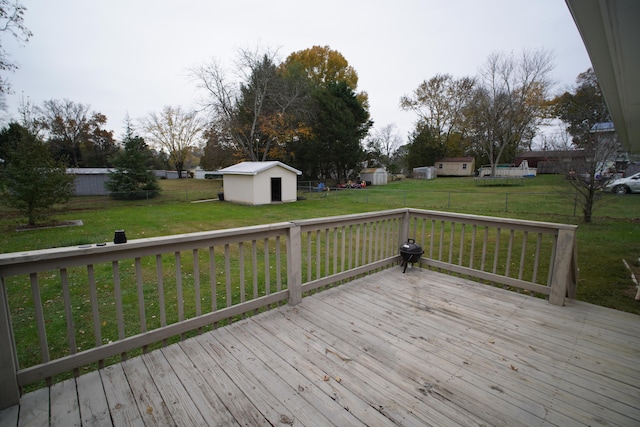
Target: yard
x: 189, y: 205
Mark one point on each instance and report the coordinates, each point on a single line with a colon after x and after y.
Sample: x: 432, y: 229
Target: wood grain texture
x: 414, y: 349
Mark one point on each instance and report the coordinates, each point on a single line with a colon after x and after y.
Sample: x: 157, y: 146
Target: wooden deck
x: 414, y: 349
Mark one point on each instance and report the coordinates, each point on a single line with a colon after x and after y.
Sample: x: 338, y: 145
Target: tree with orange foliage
x: 264, y: 111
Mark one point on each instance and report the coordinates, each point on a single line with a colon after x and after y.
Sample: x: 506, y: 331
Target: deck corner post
x: 9, y: 391
x: 564, y: 278
x: 294, y: 264
x: 404, y: 230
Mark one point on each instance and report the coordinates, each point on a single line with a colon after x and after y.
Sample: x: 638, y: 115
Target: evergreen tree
x: 131, y: 179
x: 425, y: 147
x: 30, y: 178
x: 341, y: 124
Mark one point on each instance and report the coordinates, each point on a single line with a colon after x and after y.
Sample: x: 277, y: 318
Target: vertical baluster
x: 451, y: 240
x: 267, y: 271
x: 431, y: 240
x: 462, y: 243
x: 371, y: 242
x: 509, y: 251
x: 227, y: 274
x: 39, y: 313
x: 179, y: 289
x: 537, y: 258
x: 140, y: 291
x: 278, y: 265
x: 115, y: 267
x: 522, y: 254
x: 318, y: 253
x: 161, y: 302
x: 376, y: 242
x: 363, y: 254
x: 309, y: 258
x: 66, y: 298
x: 497, y: 251
x: 196, y: 281
x: 554, y: 247
x: 327, y: 252
x: 42, y: 332
x: 95, y: 313
x: 212, y: 279
x: 227, y: 271
x: 472, y: 250
x: 241, y: 267
x: 343, y: 248
x: 485, y: 241
x: 335, y: 250
x: 417, y: 223
x: 357, y: 251
x: 388, y: 251
x: 350, y: 247
x: 254, y: 269
x: 441, y: 247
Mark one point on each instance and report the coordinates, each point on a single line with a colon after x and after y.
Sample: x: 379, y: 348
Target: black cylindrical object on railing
x: 410, y: 252
x: 119, y: 237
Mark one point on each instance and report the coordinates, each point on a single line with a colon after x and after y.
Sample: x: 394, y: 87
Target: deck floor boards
x: 414, y: 349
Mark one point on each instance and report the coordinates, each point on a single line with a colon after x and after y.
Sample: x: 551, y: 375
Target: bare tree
x: 439, y: 103
x: 384, y: 142
x: 12, y: 22
x: 589, y: 168
x: 508, y: 103
x: 69, y: 127
x: 174, y: 131
x: 257, y: 111
x: 584, y: 111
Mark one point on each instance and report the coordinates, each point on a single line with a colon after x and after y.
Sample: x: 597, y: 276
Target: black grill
x: 410, y: 253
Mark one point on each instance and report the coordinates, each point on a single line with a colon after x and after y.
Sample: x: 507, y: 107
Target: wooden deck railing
x: 64, y: 309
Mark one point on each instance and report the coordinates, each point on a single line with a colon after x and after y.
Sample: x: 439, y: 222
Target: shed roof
x: 254, y: 168
x: 455, y: 159
x: 603, y: 127
x: 89, y: 171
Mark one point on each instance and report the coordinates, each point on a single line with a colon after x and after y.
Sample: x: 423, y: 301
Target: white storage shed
x: 90, y: 181
x: 374, y: 176
x: 260, y: 183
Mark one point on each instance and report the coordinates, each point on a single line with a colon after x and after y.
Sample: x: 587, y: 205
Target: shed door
x: 276, y: 189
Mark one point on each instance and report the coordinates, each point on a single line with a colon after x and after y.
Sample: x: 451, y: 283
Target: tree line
x: 306, y: 111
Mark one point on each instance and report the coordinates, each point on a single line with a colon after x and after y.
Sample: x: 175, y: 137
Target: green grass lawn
x: 186, y: 206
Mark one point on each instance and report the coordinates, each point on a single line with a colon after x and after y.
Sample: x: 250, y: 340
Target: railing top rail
x: 359, y: 217
x: 480, y: 219
x: 40, y: 260
x: 16, y: 262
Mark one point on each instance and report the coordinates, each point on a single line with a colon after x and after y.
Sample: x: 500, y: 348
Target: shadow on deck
x: 421, y: 348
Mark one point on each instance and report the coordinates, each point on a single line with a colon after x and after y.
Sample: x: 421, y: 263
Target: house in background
x: 167, y: 174
x: 260, y: 183
x: 455, y: 166
x: 425, y: 172
x: 200, y: 173
x: 90, y: 181
x: 374, y: 176
x: 550, y: 161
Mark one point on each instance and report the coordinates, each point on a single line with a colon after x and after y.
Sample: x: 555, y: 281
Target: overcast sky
x: 133, y: 56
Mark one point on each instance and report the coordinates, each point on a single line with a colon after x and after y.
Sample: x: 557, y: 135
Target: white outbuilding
x: 260, y: 183
x: 374, y: 176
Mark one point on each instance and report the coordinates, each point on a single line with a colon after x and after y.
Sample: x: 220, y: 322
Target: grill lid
x: 410, y: 247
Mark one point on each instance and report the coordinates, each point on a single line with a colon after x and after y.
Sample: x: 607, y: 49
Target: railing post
x: 564, y: 275
x: 9, y: 391
x: 294, y: 264
x: 404, y: 228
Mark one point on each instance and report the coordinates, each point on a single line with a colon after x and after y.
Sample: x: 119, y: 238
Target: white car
x: 630, y: 184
